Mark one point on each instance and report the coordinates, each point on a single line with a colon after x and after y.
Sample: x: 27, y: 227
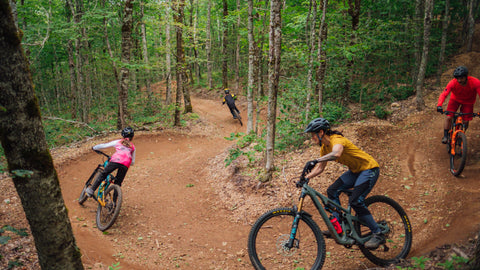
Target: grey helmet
x: 460, y: 71
x: 316, y: 125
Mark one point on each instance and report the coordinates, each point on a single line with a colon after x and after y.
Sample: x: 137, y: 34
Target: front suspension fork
x: 293, y: 231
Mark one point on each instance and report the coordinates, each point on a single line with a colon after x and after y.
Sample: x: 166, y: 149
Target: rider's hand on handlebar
x: 439, y: 109
x: 301, y: 182
x: 309, y: 166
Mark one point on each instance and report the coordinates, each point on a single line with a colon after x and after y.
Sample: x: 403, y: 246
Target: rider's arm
x: 337, y: 151
x: 444, y: 94
x: 105, y: 145
x: 133, y: 157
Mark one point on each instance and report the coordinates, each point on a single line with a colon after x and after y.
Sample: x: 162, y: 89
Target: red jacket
x: 462, y: 94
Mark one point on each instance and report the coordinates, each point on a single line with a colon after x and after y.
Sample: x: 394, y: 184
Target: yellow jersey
x: 352, y: 156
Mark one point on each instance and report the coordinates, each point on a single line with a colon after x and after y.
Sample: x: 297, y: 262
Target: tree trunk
x: 310, y: 68
x: 71, y: 64
x: 180, y: 72
x: 237, y: 51
x: 29, y: 160
x: 127, y: 25
x: 321, y: 58
x: 423, y: 64
x: 354, y: 12
x: 110, y: 53
x: 471, y: 25
x: 208, y: 45
x: 224, y: 46
x: 148, y: 80
x: 168, y: 61
x: 251, y: 67
x: 443, y: 43
x: 416, y: 38
x: 275, y: 41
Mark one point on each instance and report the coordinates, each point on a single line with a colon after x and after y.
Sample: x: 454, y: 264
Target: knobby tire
x: 83, y: 196
x: 237, y: 115
x: 107, y: 215
x: 386, y: 211
x: 267, y: 238
x: 457, y: 161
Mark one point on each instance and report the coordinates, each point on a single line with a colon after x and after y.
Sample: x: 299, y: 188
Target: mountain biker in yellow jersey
x: 464, y: 90
x: 362, y: 174
x: 121, y: 160
x: 230, y: 100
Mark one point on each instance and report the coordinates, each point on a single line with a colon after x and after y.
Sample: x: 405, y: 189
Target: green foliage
x: 5, y: 239
x: 381, y: 113
x: 243, y: 142
x: 456, y: 262
x: 115, y: 266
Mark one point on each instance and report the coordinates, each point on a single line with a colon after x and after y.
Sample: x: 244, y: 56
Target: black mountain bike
x: 108, y: 197
x: 237, y: 115
x: 288, y: 238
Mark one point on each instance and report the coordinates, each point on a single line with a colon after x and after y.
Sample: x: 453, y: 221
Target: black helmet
x: 128, y: 133
x: 460, y: 71
x: 317, y: 124
x: 227, y: 91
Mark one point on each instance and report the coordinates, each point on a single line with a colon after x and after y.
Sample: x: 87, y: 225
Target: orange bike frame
x: 458, y: 123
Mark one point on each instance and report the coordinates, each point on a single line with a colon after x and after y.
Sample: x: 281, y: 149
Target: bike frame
x: 456, y: 127
x: 349, y: 236
x: 105, y: 183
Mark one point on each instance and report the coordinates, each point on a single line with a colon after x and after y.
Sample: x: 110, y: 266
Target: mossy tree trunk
x: 29, y: 160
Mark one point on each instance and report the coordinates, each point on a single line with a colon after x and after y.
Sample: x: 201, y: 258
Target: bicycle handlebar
x: 102, y: 153
x: 460, y: 113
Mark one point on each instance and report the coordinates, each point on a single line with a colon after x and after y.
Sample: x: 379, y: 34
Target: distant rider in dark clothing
x: 230, y: 100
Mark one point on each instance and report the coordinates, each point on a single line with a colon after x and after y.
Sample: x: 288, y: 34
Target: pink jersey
x: 462, y: 94
x: 123, y: 154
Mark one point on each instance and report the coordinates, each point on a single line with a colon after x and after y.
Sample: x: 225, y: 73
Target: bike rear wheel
x: 106, y: 215
x: 83, y: 195
x: 271, y: 232
x: 390, y: 216
x: 458, y: 160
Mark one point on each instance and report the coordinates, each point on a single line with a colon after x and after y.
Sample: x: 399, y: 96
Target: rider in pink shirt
x: 121, y: 160
x: 464, y: 90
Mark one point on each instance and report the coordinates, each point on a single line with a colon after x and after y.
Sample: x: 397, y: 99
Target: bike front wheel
x: 106, y: 215
x: 267, y: 242
x: 396, y: 227
x: 458, y: 160
x: 83, y: 195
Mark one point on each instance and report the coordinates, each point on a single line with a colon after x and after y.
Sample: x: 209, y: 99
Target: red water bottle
x: 336, y: 224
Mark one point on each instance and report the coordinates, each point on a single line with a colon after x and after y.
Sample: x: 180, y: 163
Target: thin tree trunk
x: 168, y: 61
x: 208, y: 45
x: 471, y: 25
x: 110, y: 53
x: 310, y: 68
x: 423, y: 64
x: 178, y: 17
x: 148, y: 80
x: 237, y: 51
x: 71, y: 64
x: 29, y: 160
x: 416, y: 38
x: 275, y: 41
x: 127, y: 25
x: 321, y: 57
x: 224, y: 46
x: 251, y: 67
x: 443, y: 43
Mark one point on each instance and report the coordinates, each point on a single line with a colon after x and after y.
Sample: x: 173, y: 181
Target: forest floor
x: 184, y: 209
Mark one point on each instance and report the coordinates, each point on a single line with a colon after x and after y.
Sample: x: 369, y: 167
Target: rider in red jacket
x: 464, y: 90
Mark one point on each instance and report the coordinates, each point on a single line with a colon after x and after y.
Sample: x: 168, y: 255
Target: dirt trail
x: 173, y: 216
x: 183, y: 209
